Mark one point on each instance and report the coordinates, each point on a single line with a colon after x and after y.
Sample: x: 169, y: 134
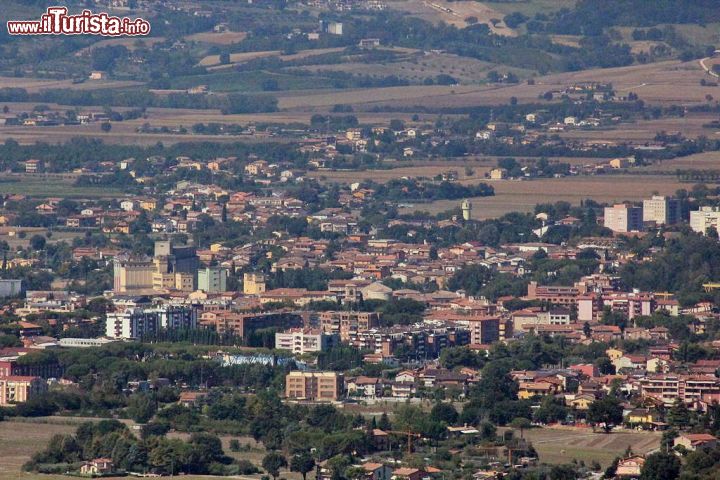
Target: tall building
x: 10, y: 287
x: 466, y: 210
x: 171, y: 268
x: 706, y: 217
x: 138, y: 322
x: 662, y: 210
x: 132, y: 274
x: 624, y: 218
x: 484, y: 330
x: 253, y: 283
x: 314, y: 386
x: 212, y: 279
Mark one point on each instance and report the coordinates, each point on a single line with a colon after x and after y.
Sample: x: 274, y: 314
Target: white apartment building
x: 662, y: 210
x: 706, y: 217
x: 299, y: 341
x: 624, y: 218
x: 138, y: 322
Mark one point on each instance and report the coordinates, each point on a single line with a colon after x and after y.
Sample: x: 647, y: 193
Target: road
x: 708, y: 70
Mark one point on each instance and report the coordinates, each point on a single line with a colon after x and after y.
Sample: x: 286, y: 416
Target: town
x: 362, y: 240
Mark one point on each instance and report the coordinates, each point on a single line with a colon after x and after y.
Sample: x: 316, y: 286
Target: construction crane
x: 410, y: 436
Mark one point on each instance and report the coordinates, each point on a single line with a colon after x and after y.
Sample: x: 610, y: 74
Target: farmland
x: 456, y: 13
x: 19, y: 440
x: 522, y: 196
x: 562, y: 445
x: 51, y: 186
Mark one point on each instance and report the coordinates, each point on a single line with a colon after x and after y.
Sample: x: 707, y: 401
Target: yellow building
x: 253, y: 283
x: 498, y: 174
x: 614, y: 353
x: 642, y: 417
x: 148, y: 204
x: 132, y: 274
x: 529, y: 390
x: 18, y: 389
x: 582, y: 402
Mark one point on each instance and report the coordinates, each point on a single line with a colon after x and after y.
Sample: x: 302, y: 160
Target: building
x: 662, y: 210
x: 99, y: 467
x: 691, y: 389
x: 243, y: 324
x: 132, y: 274
x: 623, y: 218
x: 345, y: 323
x: 314, y: 386
x: 333, y: 28
x: 253, y: 283
x: 138, y: 323
x: 369, y: 43
x: 484, y: 331
x: 212, y: 279
x: 498, y: 174
x: 171, y: 268
x: 300, y: 341
x: 172, y: 258
x: 693, y: 441
x: 630, y: 467
x: 466, y: 207
x: 705, y: 218
x: 10, y: 288
x: 18, y: 389
x: 33, y: 166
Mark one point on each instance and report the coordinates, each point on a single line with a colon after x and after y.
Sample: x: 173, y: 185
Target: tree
x: 660, y: 466
x: 679, y: 415
x: 444, y: 412
x: 384, y: 423
x: 273, y: 462
x: 521, y: 424
x: 550, y: 410
x: 141, y: 408
x: 302, y: 463
x: 37, y: 242
x: 607, y: 411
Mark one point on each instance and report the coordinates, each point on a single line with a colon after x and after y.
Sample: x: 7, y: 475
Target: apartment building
x: 555, y: 294
x: 138, y: 322
x: 314, y: 386
x: 344, y: 323
x: 623, y: 218
x: 18, y: 389
x: 484, y: 330
x: 662, y: 210
x: 706, y: 217
x: 300, y: 341
x: 212, y: 279
x: 690, y: 389
x: 243, y: 324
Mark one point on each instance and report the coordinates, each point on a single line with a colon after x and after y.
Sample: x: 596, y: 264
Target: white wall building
x: 299, y: 341
x: 706, y: 217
